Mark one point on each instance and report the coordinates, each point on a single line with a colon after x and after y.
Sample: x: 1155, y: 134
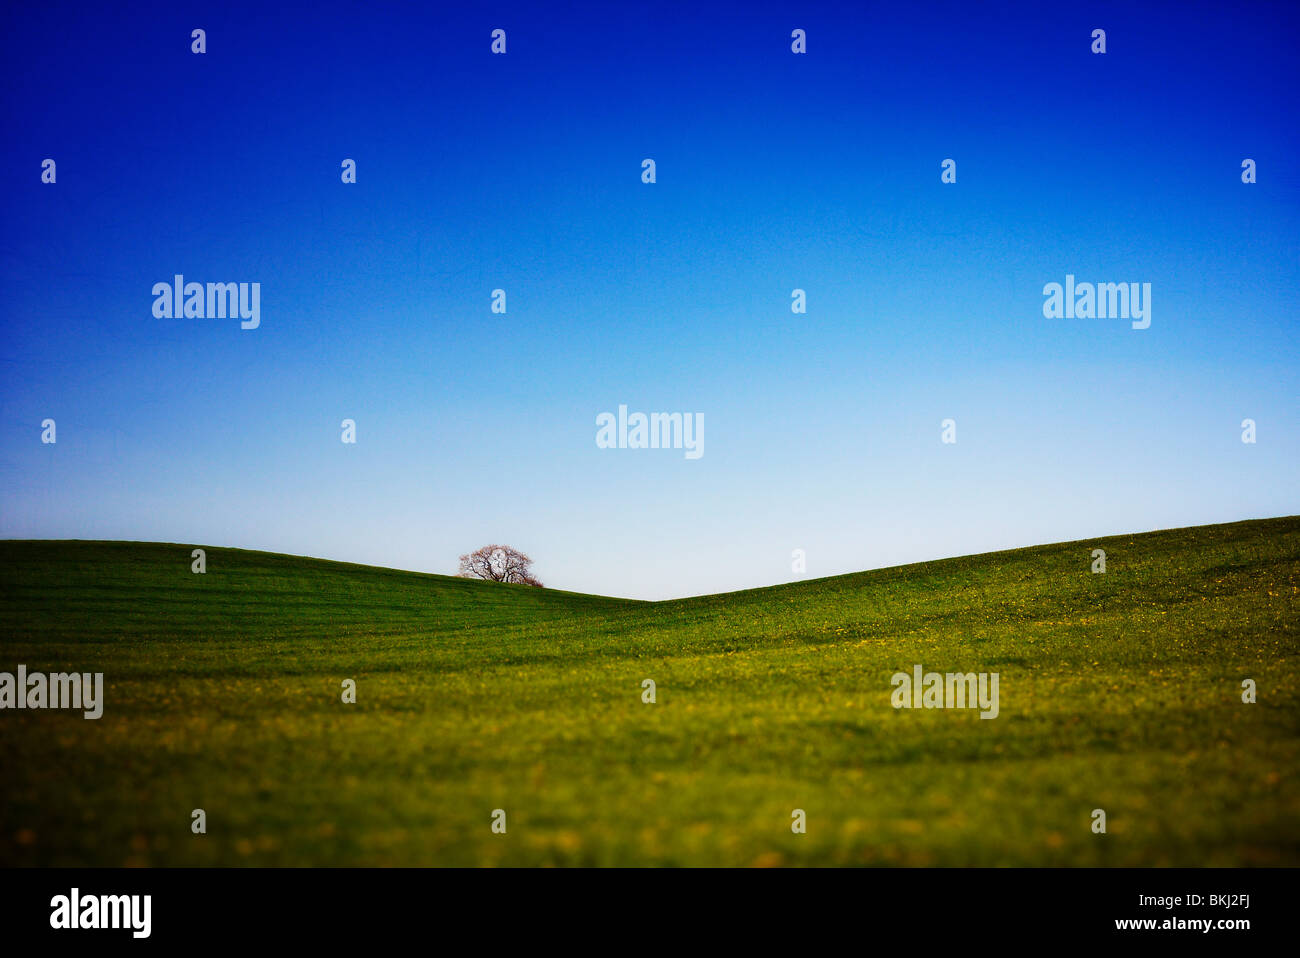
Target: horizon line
x: 707, y: 595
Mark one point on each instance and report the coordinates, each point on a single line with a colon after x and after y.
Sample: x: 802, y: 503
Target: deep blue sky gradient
x: 522, y: 171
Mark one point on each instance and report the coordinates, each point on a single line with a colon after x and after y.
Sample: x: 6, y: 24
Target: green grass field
x: 1119, y: 691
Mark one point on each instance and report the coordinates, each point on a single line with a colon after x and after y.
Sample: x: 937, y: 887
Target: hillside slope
x: 1119, y: 691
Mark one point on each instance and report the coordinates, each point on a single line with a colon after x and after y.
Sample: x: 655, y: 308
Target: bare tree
x: 498, y: 564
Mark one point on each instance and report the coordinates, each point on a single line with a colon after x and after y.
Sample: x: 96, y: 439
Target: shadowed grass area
x: 1119, y: 691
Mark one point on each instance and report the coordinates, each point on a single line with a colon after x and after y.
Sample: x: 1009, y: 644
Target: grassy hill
x: 1119, y: 691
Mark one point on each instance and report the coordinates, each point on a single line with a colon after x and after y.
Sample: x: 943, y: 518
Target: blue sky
x: 775, y: 171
